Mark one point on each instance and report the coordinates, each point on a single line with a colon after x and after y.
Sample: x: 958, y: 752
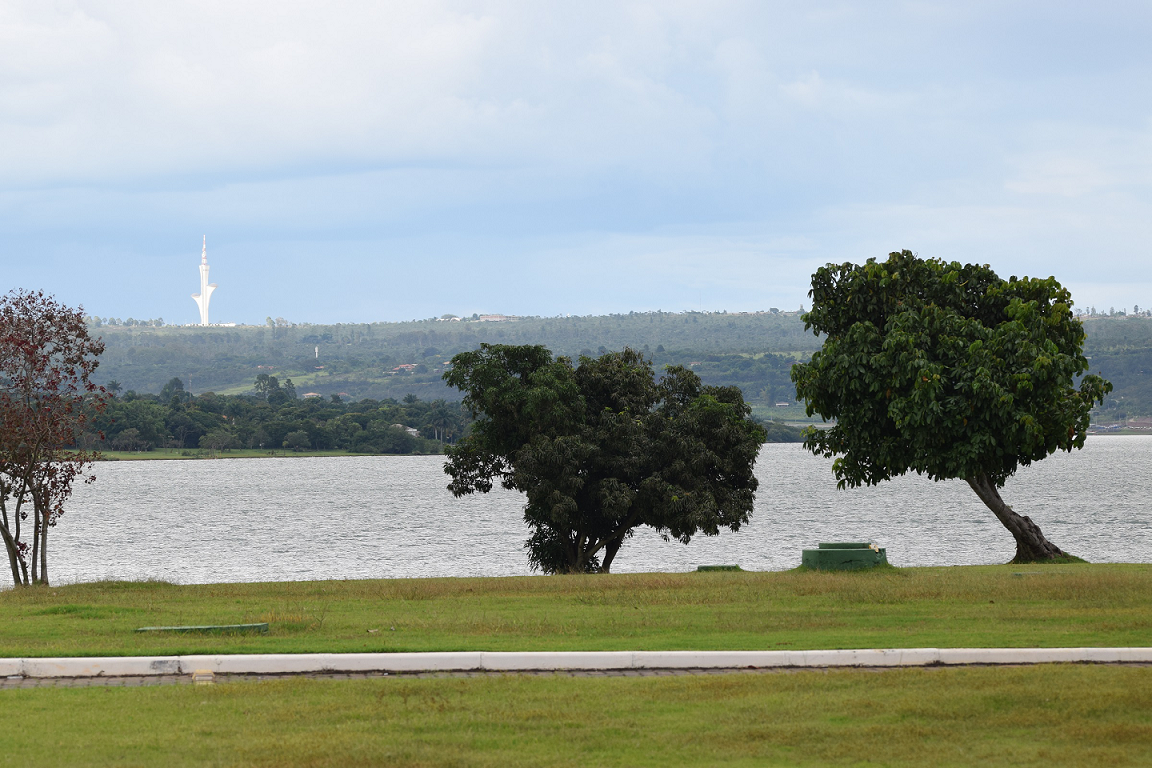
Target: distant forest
x: 388, y: 361
x: 273, y: 419
x: 1120, y: 348
x: 391, y: 360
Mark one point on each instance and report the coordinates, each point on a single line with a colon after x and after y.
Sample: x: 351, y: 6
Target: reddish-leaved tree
x: 46, y: 398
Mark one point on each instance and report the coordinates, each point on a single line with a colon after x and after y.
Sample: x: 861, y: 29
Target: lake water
x: 391, y: 516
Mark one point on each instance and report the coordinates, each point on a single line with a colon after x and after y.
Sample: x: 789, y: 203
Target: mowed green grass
x: 993, y: 606
x: 1051, y: 715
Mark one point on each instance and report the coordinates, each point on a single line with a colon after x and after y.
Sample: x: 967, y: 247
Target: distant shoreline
x: 187, y: 454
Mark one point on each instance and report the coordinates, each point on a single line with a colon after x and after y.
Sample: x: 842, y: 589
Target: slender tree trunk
x: 35, y: 545
x: 43, y: 514
x: 13, y: 553
x: 23, y: 568
x: 9, y: 540
x: 1031, y: 544
x: 16, y: 537
x: 44, y: 551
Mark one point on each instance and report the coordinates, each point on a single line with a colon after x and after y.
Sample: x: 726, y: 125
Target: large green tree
x: 949, y: 371
x: 602, y: 447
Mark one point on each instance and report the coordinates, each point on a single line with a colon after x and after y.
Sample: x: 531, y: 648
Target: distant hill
x: 382, y: 360
x: 1120, y: 348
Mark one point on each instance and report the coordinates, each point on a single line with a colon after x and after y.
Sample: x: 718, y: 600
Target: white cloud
x: 704, y: 147
x: 182, y: 87
x: 108, y: 90
x: 1059, y: 175
x: 1075, y: 161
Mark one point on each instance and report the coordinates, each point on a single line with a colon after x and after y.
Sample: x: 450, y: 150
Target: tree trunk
x: 13, y: 554
x: 610, y: 550
x: 16, y: 535
x: 35, y: 545
x: 612, y: 545
x: 9, y: 539
x: 576, y: 554
x: 581, y: 553
x: 44, y: 551
x: 1031, y: 545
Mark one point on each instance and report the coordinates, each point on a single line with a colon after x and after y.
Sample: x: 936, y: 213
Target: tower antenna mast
x: 206, y: 288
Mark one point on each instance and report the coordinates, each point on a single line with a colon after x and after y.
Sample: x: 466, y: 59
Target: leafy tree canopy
x: 602, y: 447
x: 946, y: 370
x: 46, y: 400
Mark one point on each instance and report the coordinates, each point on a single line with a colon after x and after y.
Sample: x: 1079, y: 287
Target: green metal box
x: 844, y: 556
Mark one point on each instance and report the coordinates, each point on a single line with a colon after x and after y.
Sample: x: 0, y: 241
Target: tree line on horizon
x: 271, y: 418
x: 365, y: 360
x: 385, y: 361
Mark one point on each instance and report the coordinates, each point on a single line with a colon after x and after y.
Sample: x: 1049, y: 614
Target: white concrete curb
x: 555, y: 660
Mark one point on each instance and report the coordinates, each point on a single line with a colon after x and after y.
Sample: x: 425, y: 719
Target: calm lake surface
x: 391, y: 516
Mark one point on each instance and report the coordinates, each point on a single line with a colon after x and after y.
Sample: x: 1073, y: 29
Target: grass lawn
x: 1052, y: 715
x: 993, y: 606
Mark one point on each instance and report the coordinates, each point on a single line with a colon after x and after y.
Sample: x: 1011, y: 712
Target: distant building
x: 206, y: 288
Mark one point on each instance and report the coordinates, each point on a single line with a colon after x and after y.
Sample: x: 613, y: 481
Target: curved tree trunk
x: 9, y: 539
x: 610, y: 550
x: 1031, y: 545
x: 13, y: 554
x: 613, y: 544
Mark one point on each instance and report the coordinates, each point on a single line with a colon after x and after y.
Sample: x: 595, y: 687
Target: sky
x: 368, y: 161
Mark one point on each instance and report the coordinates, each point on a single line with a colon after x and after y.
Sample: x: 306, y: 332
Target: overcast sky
x: 357, y: 161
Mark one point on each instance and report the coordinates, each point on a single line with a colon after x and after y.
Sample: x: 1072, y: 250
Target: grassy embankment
x: 1075, y: 605
x: 1035, y: 716
x: 1043, y: 716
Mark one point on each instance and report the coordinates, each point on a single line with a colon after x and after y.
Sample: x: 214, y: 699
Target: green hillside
x: 383, y: 360
x: 391, y: 360
x: 1121, y: 349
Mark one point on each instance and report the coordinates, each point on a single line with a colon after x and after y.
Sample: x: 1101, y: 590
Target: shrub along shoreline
x: 185, y: 454
x: 178, y: 425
